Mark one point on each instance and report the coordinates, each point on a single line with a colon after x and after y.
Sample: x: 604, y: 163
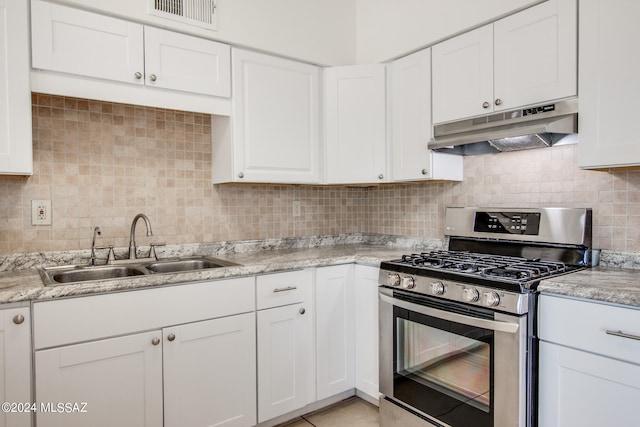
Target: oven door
x: 452, y: 364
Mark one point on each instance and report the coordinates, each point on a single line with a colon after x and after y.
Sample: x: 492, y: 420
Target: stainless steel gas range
x: 458, y: 345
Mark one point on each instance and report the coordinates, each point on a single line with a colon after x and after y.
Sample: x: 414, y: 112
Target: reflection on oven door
x: 455, y: 365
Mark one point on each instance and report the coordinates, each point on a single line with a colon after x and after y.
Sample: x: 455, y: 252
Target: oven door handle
x: 493, y: 325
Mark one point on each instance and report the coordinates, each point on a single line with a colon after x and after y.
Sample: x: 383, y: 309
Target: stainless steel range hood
x: 531, y: 127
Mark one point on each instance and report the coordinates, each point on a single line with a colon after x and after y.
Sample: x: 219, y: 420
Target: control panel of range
x: 527, y: 223
x: 511, y: 302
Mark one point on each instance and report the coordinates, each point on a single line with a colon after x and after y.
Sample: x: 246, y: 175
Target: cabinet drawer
x: 278, y: 289
x: 584, y: 325
x: 99, y: 316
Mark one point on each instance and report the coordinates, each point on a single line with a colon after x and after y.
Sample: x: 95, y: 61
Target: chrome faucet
x: 96, y: 232
x: 132, y: 237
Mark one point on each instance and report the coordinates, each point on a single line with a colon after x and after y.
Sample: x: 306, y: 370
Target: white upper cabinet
x: 527, y: 58
x: 609, y: 83
x: 411, y: 126
x: 355, y: 124
x: 82, y: 54
x: 180, y: 62
x: 15, y: 96
x: 73, y: 41
x: 274, y: 135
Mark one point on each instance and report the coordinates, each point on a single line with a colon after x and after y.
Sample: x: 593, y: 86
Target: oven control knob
x: 408, y: 282
x: 438, y: 288
x: 470, y: 295
x: 491, y: 299
x: 393, y: 279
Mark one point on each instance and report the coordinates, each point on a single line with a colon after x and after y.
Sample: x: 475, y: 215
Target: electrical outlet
x: 296, y: 208
x: 41, y: 212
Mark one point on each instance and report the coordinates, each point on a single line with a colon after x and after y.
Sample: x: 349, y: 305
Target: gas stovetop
x: 489, y: 267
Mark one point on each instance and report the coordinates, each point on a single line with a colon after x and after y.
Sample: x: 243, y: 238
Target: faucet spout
x: 132, y: 236
x: 96, y: 232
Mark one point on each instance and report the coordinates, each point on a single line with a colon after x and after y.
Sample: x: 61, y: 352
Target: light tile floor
x: 352, y: 412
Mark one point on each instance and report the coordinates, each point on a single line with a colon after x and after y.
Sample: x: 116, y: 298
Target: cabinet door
x: 463, y: 75
x: 78, y: 42
x: 210, y: 373
x: 15, y: 364
x: 15, y: 94
x: 119, y: 379
x: 587, y: 390
x: 181, y: 62
x: 366, y: 309
x: 609, y: 83
x: 335, y: 345
x: 283, y: 346
x: 355, y: 124
x: 411, y: 127
x: 275, y: 119
x: 535, y: 56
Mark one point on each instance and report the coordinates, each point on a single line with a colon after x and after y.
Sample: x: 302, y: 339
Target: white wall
x: 320, y: 32
x: 387, y: 29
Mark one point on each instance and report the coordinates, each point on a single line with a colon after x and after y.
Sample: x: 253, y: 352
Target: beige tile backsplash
x: 101, y: 163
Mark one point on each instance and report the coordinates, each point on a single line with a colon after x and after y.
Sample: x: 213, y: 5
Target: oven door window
x: 444, y: 369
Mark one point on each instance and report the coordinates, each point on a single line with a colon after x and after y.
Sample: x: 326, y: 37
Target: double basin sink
x: 53, y: 276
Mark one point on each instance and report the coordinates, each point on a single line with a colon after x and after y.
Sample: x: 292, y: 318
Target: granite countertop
x: 605, y: 284
x: 26, y: 285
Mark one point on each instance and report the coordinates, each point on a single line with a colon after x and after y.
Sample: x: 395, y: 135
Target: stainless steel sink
x: 187, y: 264
x: 71, y: 274
x: 55, y: 276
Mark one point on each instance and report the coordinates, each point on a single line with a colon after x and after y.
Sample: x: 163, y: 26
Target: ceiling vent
x: 202, y: 13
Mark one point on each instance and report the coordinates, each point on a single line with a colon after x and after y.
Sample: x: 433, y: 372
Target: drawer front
x: 99, y: 316
x: 274, y: 290
x: 591, y: 326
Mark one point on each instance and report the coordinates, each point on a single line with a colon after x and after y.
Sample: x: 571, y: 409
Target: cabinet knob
x: 241, y: 175
x: 302, y: 310
x: 18, y: 319
x: 153, y: 77
x: 425, y: 171
x: 155, y: 341
x: 138, y: 75
x: 381, y: 176
x: 171, y: 337
x: 485, y: 105
x: 498, y: 101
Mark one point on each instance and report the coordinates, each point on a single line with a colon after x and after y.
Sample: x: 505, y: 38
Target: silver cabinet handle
x: 622, y: 335
x: 171, y: 337
x: 18, y: 319
x: 485, y: 105
x: 155, y: 341
x: 138, y: 75
x: 241, y: 175
x: 498, y: 101
x: 302, y: 310
x: 153, y: 77
x: 381, y: 176
x: 425, y: 171
x: 288, y: 288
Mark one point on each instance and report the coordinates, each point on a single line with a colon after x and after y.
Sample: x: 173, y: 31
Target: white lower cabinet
x: 366, y: 330
x: 589, y: 369
x: 115, y: 381
x: 173, y: 356
x: 284, y: 318
x: 209, y: 372
x: 335, y: 344
x: 15, y: 364
x: 282, y: 360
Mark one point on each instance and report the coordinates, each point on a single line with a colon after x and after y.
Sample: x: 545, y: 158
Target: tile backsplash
x: 102, y: 163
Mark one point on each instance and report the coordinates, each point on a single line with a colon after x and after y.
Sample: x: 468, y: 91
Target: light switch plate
x: 41, y: 212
